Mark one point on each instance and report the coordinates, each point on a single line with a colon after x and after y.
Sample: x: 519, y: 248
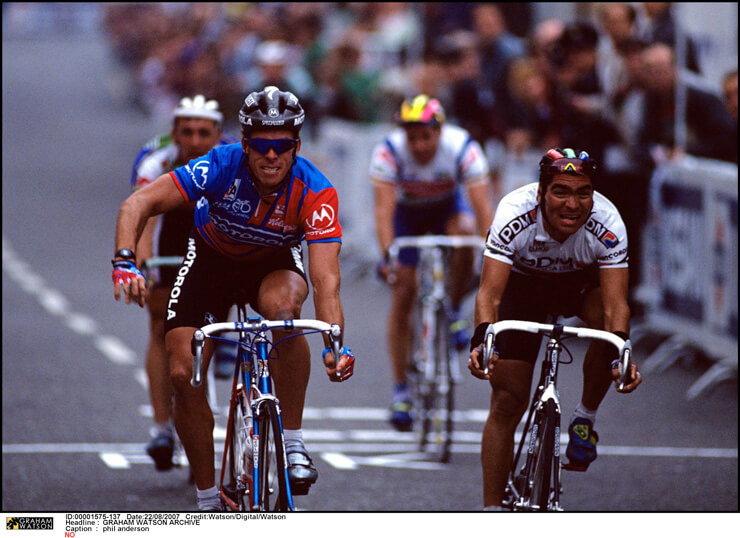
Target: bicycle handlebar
x: 333, y: 330
x: 623, y: 346
x: 160, y: 261
x: 431, y: 241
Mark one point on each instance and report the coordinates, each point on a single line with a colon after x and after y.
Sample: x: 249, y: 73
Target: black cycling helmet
x: 271, y: 109
x: 564, y: 161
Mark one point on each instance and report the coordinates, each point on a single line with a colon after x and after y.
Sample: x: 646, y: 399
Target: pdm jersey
x: 518, y: 237
x: 459, y: 160
x: 233, y: 219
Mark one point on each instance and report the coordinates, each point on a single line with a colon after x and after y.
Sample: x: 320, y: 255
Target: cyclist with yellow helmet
x: 429, y: 177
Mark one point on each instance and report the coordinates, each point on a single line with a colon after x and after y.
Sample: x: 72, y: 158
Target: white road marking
x: 142, y: 379
x: 115, y: 350
x: 115, y: 460
x: 382, y: 447
x: 339, y: 461
x: 53, y: 302
x: 56, y: 304
x: 81, y: 324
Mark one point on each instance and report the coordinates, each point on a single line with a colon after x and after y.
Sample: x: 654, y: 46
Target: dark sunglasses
x: 263, y: 145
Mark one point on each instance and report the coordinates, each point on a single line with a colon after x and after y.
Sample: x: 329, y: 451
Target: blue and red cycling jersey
x: 232, y: 218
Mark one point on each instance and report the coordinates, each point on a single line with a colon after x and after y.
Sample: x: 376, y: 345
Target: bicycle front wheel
x: 543, y: 467
x: 272, y: 491
x: 238, y: 460
x: 439, y: 398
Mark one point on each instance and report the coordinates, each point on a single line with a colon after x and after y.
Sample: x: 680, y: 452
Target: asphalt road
x: 74, y: 406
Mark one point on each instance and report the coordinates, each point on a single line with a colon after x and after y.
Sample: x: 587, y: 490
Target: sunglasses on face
x: 263, y: 145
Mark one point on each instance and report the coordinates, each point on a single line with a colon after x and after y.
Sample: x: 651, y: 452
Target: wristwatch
x: 125, y: 253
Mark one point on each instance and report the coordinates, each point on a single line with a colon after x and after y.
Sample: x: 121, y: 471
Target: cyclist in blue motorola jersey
x: 554, y: 247
x: 256, y: 202
x: 196, y: 128
x: 426, y: 176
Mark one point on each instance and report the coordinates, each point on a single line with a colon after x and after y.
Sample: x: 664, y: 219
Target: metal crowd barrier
x: 690, y: 267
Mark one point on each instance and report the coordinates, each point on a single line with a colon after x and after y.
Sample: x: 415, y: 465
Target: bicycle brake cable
x: 565, y: 348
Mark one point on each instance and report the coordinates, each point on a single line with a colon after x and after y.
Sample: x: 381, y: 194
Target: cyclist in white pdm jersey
x: 555, y: 247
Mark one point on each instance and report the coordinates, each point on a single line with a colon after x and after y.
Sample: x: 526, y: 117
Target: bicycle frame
x: 252, y: 370
x: 546, y: 390
x: 522, y: 489
x: 434, y: 366
x: 432, y: 277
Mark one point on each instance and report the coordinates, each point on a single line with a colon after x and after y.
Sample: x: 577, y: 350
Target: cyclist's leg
x: 581, y: 449
x: 403, y: 293
x: 157, y: 367
x: 281, y: 296
x: 192, y: 414
x: 195, y: 292
x: 158, y: 374
x: 510, y: 383
x: 596, y: 371
x: 282, y: 290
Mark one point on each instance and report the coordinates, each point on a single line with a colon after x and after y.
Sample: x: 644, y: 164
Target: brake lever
x: 624, y: 367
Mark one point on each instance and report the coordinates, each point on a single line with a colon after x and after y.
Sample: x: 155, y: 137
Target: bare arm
x: 480, y: 198
x: 323, y: 269
x: 493, y: 279
x: 385, y: 206
x: 145, y: 246
x: 158, y: 197
x: 614, y: 289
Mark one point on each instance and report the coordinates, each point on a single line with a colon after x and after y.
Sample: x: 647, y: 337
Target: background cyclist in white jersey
x: 554, y: 247
x: 196, y: 128
x: 421, y: 174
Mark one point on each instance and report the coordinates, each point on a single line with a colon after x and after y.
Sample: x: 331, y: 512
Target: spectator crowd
x: 605, y: 82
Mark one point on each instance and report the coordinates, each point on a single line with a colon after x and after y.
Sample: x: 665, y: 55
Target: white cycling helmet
x: 198, y: 107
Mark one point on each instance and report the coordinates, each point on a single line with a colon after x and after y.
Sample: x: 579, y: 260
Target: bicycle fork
x: 264, y: 392
x: 520, y: 486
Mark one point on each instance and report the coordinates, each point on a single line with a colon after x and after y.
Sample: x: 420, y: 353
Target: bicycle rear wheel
x: 438, y: 398
x: 238, y: 460
x: 272, y: 489
x: 543, y: 465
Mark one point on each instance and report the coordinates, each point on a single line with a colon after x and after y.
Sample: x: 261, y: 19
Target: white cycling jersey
x: 459, y: 161
x: 517, y: 237
x: 158, y: 162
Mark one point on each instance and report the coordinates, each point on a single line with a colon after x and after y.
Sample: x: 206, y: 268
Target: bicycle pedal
x: 229, y: 490
x: 300, y: 488
x: 573, y: 466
